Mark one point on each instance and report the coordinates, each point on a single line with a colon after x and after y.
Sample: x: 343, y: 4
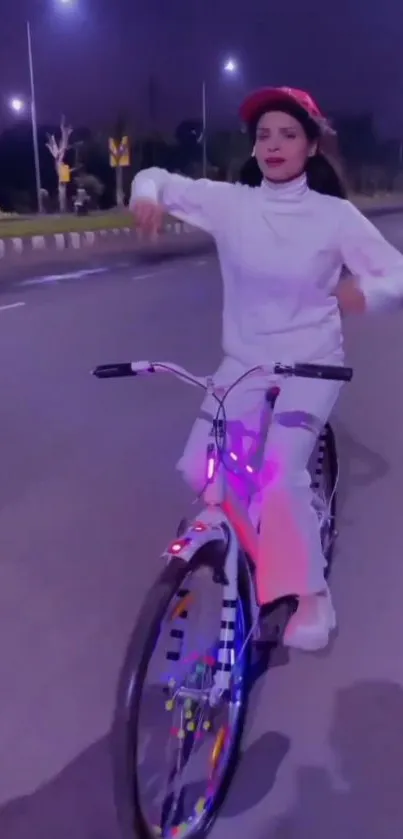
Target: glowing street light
x: 230, y: 68
x: 17, y: 105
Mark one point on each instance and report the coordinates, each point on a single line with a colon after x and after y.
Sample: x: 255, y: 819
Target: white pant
x: 290, y: 556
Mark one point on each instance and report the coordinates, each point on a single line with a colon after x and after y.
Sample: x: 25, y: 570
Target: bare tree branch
x: 58, y: 149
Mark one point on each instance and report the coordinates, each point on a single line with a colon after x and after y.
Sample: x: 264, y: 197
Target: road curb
x: 84, y: 240
x: 382, y: 211
x: 59, y: 242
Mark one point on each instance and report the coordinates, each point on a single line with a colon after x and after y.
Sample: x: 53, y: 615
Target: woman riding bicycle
x: 282, y: 249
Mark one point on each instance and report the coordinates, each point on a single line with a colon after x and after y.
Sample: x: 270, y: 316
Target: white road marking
x: 89, y: 272
x: 11, y: 306
x: 72, y: 275
x: 147, y: 276
x: 158, y: 272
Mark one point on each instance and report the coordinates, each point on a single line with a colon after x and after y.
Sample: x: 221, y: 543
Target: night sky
x: 98, y: 56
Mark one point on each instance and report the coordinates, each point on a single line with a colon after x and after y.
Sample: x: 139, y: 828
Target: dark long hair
x: 322, y: 175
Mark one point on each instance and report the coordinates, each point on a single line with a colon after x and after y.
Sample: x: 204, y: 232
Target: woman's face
x: 282, y: 147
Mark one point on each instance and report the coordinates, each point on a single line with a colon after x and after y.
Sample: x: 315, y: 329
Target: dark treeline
x: 370, y: 163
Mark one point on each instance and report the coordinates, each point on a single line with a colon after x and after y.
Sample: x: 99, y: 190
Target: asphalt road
x: 89, y: 497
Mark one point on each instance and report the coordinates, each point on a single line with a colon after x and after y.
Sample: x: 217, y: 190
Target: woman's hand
x: 147, y: 216
x: 349, y: 296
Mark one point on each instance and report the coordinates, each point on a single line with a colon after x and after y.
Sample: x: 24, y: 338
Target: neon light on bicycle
x: 178, y: 546
x: 175, y: 548
x: 210, y: 467
x: 199, y: 527
x: 233, y: 456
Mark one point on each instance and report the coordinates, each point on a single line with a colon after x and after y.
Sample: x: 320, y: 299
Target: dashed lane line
x: 8, y: 306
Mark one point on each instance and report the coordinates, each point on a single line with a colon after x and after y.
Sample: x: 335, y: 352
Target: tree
x: 188, y: 135
x: 227, y: 151
x: 92, y: 185
x: 58, y: 150
x: 219, y: 152
x: 155, y: 151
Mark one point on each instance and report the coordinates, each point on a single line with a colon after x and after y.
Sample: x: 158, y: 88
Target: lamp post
x: 34, y: 122
x: 18, y: 106
x: 230, y: 67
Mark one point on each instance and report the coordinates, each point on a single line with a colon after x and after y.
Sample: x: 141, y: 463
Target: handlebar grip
x: 323, y: 371
x: 114, y: 371
x: 334, y: 373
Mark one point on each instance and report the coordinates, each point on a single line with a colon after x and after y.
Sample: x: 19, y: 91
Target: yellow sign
x: 119, y: 154
x: 64, y: 173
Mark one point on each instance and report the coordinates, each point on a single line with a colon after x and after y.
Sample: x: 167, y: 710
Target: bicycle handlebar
x: 329, y: 372
x: 304, y: 371
x: 114, y: 371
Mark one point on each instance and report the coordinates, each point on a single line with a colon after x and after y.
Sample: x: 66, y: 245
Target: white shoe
x: 310, y: 626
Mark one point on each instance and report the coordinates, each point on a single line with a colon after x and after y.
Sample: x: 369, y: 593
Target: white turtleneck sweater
x: 281, y: 250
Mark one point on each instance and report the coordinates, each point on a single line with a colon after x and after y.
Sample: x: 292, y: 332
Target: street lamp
x: 230, y: 67
x: 34, y: 121
x: 17, y: 105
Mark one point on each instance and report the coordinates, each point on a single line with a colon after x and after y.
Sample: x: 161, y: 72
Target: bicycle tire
x: 324, y: 465
x: 131, y: 682
x: 326, y: 469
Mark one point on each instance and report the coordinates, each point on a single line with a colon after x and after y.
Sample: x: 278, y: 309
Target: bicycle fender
x: 198, y: 533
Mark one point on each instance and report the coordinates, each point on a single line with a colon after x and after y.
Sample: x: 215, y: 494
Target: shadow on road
x: 77, y: 804
x: 359, y: 465
x: 257, y: 773
x: 363, y: 797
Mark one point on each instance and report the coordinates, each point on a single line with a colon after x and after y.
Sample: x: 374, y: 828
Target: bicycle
x: 205, y: 695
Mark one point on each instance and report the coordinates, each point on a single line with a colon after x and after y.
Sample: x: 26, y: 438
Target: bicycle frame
x: 213, y: 523
x: 214, y: 495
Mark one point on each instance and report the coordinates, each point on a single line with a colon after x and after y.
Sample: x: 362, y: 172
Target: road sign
x: 64, y: 173
x: 119, y: 154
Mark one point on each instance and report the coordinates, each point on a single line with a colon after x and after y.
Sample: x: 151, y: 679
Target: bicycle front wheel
x: 174, y: 750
